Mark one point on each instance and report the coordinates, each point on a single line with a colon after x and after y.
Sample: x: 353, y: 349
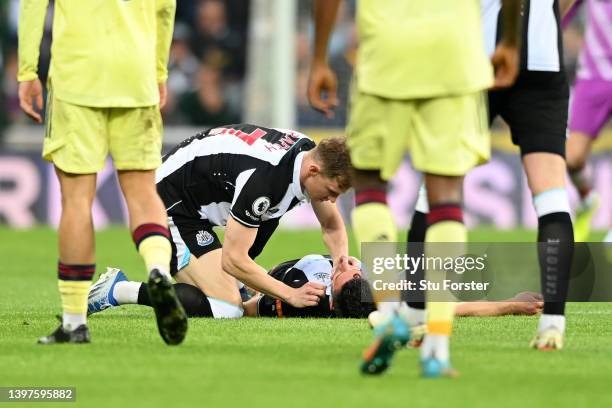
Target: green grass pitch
x: 274, y: 363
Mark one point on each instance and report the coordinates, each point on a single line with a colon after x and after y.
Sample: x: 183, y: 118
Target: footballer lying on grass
x: 245, y: 178
x: 344, y: 294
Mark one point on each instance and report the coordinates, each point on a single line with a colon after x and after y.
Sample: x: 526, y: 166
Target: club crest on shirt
x: 261, y: 205
x: 204, y: 238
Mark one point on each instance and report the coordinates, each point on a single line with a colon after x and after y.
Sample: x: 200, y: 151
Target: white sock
x: 388, y: 308
x: 437, y: 346
x: 71, y: 321
x: 414, y: 317
x: 548, y: 320
x: 126, y: 292
x: 551, y: 201
x: 162, y: 270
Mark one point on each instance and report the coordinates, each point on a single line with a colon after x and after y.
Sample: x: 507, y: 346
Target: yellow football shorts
x: 79, y: 138
x: 447, y: 136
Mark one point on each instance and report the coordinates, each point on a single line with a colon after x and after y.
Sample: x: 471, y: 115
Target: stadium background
x: 245, y: 67
x: 229, y: 64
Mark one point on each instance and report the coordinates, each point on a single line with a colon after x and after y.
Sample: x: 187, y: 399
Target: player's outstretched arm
x: 524, y: 303
x: 334, y: 231
x: 236, y: 261
x: 322, y: 80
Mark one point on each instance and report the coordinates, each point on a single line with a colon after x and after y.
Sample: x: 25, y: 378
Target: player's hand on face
x: 341, y: 265
x: 30, y: 96
x: 505, y: 62
x: 308, y: 295
x: 322, y: 89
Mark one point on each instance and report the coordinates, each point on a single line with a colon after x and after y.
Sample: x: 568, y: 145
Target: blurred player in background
x: 420, y: 75
x: 591, y: 106
x: 535, y: 108
x: 105, y: 89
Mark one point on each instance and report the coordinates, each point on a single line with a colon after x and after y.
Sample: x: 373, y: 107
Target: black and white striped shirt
x: 542, y: 42
x: 248, y: 171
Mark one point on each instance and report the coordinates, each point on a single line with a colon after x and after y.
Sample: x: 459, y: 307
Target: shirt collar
x: 296, y: 186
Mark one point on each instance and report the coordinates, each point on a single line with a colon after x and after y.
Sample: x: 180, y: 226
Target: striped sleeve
x: 165, y: 26
x: 31, y: 24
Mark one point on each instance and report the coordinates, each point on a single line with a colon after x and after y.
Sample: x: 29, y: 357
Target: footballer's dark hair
x: 354, y: 301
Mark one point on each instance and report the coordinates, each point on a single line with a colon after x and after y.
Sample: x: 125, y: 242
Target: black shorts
x: 197, y: 237
x: 535, y: 108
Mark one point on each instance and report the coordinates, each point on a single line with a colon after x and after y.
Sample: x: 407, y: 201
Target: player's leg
x: 208, y: 275
x: 197, y: 261
x: 450, y: 137
x: 113, y: 289
x: 581, y: 176
x: 542, y: 144
x: 147, y: 219
x: 377, y: 138
x: 444, y: 224
x: 414, y: 308
x: 76, y: 265
x: 135, y: 144
x: 415, y: 300
x: 75, y: 143
x: 546, y: 177
x: 589, y: 112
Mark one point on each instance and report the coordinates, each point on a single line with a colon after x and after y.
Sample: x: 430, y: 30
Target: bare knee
x: 139, y: 190
x: 78, y: 191
x: 545, y: 171
x: 444, y: 189
x: 366, y: 179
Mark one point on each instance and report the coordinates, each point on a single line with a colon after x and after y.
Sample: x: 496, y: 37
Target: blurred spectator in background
x: 213, y: 35
x: 205, y: 28
x: 182, y: 70
x: 207, y: 105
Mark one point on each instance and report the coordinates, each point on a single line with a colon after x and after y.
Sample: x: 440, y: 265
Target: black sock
x: 415, y: 247
x: 555, y: 255
x: 194, y: 301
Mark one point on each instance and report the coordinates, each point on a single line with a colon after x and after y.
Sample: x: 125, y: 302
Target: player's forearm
x: 247, y: 271
x: 482, y: 309
x: 166, y: 10
x: 336, y: 242
x: 512, y: 22
x: 324, y: 14
x: 31, y: 25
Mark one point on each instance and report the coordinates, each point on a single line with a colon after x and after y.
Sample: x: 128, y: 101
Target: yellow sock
x: 373, y: 222
x: 156, y: 252
x: 440, y: 314
x: 74, y: 295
